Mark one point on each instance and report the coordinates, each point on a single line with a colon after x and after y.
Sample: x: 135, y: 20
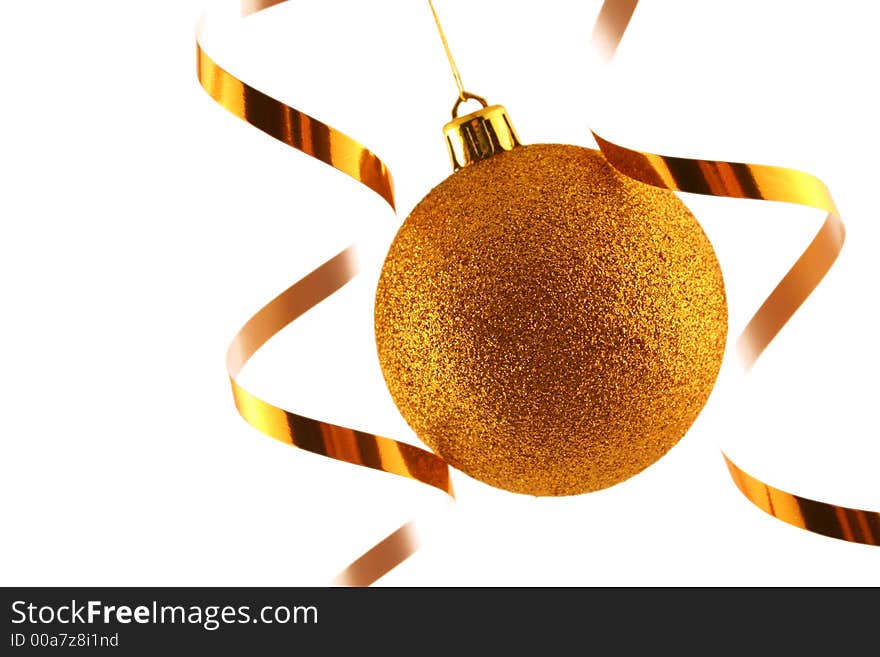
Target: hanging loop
x: 465, y: 96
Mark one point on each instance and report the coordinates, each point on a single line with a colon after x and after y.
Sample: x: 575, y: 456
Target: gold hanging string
x: 463, y: 95
x: 455, y: 73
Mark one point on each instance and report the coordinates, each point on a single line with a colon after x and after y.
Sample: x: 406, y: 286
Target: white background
x: 142, y: 224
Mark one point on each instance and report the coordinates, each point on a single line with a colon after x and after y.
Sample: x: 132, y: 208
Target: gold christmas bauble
x: 548, y: 325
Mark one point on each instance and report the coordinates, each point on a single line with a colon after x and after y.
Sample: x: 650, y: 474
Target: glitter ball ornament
x: 545, y: 324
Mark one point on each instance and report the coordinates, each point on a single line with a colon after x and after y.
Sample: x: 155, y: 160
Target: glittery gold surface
x: 547, y: 325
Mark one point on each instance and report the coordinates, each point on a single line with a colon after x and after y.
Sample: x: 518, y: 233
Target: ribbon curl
x: 716, y: 178
x: 765, y: 183
x: 327, y: 144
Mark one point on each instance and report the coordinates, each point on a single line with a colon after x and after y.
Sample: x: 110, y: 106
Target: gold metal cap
x: 478, y: 135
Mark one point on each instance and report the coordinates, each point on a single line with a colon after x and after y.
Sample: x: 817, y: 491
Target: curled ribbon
x: 323, y: 142
x: 766, y: 183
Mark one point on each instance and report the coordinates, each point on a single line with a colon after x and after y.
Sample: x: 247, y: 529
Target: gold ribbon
x: 766, y: 183
x: 323, y: 142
